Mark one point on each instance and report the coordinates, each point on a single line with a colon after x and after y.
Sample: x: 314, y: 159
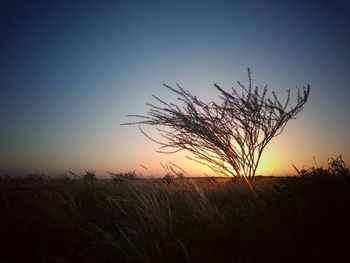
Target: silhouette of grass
x: 300, y: 219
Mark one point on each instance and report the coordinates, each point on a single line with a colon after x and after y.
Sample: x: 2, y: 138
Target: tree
x: 229, y: 137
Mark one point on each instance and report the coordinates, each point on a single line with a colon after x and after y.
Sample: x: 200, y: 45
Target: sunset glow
x: 72, y: 72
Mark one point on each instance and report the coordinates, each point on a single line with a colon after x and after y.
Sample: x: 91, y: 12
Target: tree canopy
x: 228, y: 136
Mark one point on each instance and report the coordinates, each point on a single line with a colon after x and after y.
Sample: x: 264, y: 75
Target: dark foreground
x: 296, y: 219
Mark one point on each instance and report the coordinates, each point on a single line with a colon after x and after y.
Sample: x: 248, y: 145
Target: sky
x: 70, y: 72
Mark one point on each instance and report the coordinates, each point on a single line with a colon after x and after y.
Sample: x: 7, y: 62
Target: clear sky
x: 71, y: 70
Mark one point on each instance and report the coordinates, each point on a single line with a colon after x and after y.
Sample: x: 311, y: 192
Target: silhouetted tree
x: 230, y: 136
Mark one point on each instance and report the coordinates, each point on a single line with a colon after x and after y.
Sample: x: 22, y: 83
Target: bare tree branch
x: 229, y: 137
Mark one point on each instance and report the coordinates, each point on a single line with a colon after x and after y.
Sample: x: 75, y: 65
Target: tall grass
x: 297, y: 219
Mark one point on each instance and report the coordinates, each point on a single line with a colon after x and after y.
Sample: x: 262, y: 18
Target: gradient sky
x: 71, y: 70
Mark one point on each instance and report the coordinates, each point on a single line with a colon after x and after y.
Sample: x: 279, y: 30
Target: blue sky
x: 72, y: 70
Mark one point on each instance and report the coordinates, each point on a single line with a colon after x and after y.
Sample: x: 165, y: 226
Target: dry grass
x: 189, y: 220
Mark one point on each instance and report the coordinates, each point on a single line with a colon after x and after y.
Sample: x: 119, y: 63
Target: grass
x: 295, y: 219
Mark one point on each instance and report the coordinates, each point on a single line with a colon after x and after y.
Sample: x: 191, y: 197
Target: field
x: 291, y: 219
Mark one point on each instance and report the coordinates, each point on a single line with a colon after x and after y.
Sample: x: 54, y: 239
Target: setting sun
x: 174, y: 131
x: 72, y: 72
